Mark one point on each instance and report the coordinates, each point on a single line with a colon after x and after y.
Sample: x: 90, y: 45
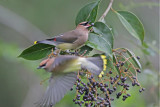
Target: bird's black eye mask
x: 84, y: 24
x: 41, y: 66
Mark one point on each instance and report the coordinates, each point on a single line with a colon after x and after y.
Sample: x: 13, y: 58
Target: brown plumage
x: 72, y: 39
x: 63, y: 71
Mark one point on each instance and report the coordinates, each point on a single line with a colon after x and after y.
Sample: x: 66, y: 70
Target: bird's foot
x: 51, y: 54
x: 74, y: 53
x: 83, y: 53
x: 54, y: 53
x: 77, y: 52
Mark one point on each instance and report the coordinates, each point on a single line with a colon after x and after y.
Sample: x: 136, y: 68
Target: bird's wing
x: 65, y: 63
x: 58, y: 87
x: 68, y: 37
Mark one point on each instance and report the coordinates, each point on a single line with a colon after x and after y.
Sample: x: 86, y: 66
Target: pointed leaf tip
x: 132, y: 24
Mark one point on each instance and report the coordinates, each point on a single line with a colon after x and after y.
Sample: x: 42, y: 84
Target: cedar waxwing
x: 63, y: 71
x: 70, y: 40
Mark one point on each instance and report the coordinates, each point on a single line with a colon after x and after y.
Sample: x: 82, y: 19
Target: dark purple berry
x: 137, y: 84
x: 128, y: 95
x: 118, y: 83
x: 117, y: 76
x: 110, y: 72
x: 138, y: 70
x: 74, y: 100
x: 140, y: 90
x: 126, y: 70
x: 127, y: 88
x: 138, y: 57
x: 133, y: 84
x: 105, y: 85
x: 117, y: 65
x: 143, y: 89
x: 114, y: 88
x: 122, y: 63
x: 71, y: 89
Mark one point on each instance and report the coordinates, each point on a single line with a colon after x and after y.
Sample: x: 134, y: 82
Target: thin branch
x: 106, y: 11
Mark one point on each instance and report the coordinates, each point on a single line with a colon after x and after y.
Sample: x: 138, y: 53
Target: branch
x: 106, y: 11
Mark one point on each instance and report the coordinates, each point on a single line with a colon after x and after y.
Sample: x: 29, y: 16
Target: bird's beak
x: 90, y: 25
x: 39, y: 67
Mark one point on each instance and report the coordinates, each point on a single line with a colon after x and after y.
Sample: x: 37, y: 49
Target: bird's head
x: 85, y: 25
x: 45, y: 64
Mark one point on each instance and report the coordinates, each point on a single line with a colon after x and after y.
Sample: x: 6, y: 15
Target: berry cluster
x: 114, y: 83
x: 91, y: 93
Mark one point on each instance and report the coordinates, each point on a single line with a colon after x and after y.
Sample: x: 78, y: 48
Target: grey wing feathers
x: 58, y: 87
x: 61, y: 59
x: 68, y: 37
x: 64, y: 39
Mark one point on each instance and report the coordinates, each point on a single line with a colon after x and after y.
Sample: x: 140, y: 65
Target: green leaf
x: 109, y: 63
x: 36, y: 51
x: 87, y: 13
x: 85, y: 48
x: 135, y: 60
x: 104, y: 31
x: 97, y: 42
x: 132, y: 24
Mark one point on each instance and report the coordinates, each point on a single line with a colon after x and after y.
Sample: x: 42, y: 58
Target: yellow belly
x: 65, y: 46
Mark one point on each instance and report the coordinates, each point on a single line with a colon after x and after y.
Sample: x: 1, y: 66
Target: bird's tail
x: 95, y: 64
x: 47, y: 41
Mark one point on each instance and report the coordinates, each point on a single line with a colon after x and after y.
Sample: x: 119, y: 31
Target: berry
x: 122, y: 63
x: 105, y: 85
x: 138, y: 57
x: 140, y: 90
x: 143, y: 89
x: 71, y: 89
x: 110, y: 72
x: 128, y: 95
x: 117, y: 65
x: 138, y: 70
x: 126, y: 70
x: 74, y: 100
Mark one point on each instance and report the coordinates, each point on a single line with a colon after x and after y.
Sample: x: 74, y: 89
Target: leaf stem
x: 106, y: 11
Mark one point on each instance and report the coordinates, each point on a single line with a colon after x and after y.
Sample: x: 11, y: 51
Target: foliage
x: 101, y: 38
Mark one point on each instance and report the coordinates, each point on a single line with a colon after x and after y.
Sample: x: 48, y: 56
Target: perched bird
x: 72, y: 39
x: 63, y: 69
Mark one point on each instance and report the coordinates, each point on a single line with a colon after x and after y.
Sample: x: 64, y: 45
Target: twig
x: 106, y: 11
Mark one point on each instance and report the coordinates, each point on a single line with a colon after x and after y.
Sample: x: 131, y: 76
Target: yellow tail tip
x: 35, y: 42
x: 105, y: 61
x: 104, y: 68
x: 103, y: 56
x: 100, y: 75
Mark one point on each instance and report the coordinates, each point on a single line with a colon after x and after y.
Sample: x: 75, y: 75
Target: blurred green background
x: 24, y: 21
